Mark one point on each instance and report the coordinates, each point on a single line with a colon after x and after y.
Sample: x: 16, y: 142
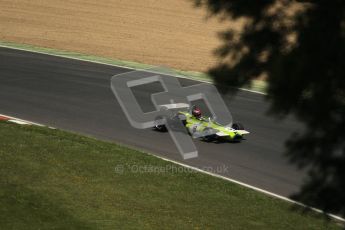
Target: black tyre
x: 211, y: 137
x: 161, y: 128
x: 237, y: 126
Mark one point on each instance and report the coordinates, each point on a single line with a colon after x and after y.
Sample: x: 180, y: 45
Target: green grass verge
x: 51, y: 179
x: 256, y: 85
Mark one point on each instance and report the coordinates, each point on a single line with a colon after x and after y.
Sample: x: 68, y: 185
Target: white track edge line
x: 26, y: 121
x: 108, y: 64
x: 251, y: 187
x: 221, y: 177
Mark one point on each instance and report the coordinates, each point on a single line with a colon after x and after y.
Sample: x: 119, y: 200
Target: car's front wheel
x: 209, y: 135
x: 161, y: 128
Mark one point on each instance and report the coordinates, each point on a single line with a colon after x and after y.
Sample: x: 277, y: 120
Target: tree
x: 299, y: 47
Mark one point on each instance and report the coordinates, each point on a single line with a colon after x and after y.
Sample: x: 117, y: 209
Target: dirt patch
x: 158, y: 32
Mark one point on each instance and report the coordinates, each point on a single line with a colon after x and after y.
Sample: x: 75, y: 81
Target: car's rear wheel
x: 237, y: 126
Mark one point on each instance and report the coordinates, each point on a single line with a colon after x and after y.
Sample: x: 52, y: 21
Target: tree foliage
x: 299, y: 47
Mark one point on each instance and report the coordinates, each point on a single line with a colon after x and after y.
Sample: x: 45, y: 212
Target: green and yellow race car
x: 207, y: 129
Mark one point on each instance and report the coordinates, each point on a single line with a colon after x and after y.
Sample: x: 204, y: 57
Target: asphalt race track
x: 76, y: 96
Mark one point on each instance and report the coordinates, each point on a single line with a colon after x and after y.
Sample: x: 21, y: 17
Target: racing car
x: 203, y: 127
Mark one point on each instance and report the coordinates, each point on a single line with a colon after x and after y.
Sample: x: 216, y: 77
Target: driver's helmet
x: 196, y: 112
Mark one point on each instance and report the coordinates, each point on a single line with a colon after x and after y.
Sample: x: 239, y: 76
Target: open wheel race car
x: 203, y: 127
